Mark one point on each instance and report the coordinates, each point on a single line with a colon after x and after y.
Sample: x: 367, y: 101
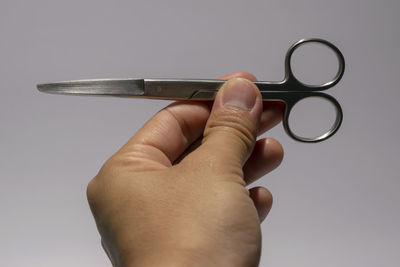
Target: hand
x: 175, y: 195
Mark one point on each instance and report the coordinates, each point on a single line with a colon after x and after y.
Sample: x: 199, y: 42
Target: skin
x: 175, y: 194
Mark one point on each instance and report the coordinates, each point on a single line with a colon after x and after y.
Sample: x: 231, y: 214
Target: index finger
x: 171, y: 131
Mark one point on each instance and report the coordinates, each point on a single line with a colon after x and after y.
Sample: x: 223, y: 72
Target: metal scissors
x: 290, y: 90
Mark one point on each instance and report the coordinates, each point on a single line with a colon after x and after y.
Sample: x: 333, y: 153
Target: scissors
x: 289, y: 91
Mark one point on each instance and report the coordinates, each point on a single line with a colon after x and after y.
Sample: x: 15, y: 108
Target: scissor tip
x: 43, y: 87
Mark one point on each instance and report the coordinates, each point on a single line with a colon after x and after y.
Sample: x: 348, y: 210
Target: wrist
x: 187, y: 249
x: 178, y: 259
x: 172, y: 259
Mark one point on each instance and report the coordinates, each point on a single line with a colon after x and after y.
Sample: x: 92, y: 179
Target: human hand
x: 175, y: 195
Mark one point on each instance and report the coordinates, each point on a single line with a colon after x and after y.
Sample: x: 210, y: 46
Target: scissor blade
x: 128, y: 87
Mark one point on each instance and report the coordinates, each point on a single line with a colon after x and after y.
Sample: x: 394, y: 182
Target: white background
x: 336, y: 203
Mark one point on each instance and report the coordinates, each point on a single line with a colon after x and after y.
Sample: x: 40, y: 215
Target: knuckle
x: 92, y: 192
x: 234, y: 123
x: 95, y: 188
x: 109, y: 168
x: 276, y: 151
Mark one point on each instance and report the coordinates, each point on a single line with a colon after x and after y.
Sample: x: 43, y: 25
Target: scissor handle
x: 295, y: 84
x: 292, y: 99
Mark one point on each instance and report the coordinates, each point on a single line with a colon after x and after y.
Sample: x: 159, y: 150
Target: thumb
x: 230, y: 132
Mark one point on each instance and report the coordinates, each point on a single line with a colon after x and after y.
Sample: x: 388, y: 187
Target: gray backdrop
x: 336, y: 203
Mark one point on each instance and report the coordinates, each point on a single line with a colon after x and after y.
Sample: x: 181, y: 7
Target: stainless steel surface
x: 290, y: 90
x: 126, y: 87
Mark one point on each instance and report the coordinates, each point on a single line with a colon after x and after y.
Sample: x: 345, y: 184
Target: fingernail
x: 239, y: 93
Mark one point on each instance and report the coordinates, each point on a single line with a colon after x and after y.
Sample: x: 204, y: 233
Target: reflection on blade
x: 132, y: 87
